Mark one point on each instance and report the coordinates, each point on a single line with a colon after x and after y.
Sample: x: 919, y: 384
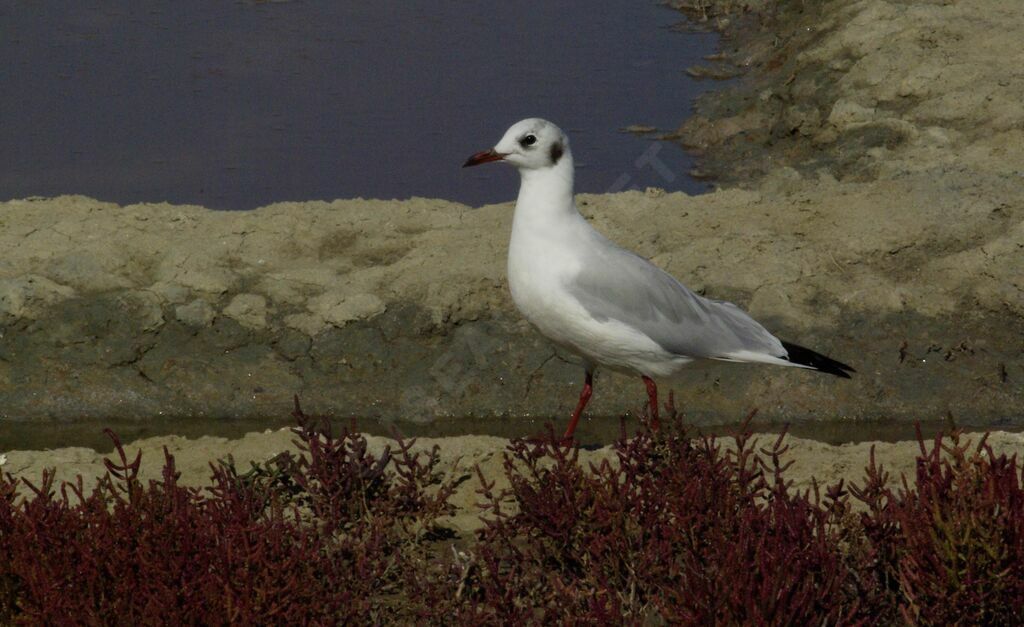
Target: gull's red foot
x: 585, y: 393
x: 652, y: 399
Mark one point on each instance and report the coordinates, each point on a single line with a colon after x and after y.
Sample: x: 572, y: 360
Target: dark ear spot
x: 556, y: 152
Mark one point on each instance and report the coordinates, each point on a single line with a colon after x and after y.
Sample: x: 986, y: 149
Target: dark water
x: 237, y: 104
x: 591, y: 432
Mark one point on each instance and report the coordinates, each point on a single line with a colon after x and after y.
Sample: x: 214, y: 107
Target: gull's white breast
x: 543, y: 259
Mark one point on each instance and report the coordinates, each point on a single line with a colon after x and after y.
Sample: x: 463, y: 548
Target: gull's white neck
x: 548, y: 235
x: 545, y: 195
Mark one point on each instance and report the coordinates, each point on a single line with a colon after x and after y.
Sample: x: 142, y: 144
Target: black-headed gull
x: 607, y: 304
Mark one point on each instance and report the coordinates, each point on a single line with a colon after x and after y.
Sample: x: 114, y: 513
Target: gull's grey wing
x: 619, y: 285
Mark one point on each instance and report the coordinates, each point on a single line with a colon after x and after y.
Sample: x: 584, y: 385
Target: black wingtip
x: 821, y: 363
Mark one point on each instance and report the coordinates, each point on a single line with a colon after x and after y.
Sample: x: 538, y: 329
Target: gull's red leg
x: 588, y: 389
x: 652, y: 396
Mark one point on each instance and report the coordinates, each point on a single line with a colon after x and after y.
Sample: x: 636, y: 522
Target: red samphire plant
x: 672, y: 528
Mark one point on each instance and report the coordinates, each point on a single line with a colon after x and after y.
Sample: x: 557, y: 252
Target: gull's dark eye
x: 528, y: 140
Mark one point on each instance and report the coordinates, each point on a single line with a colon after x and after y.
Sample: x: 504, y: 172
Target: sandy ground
x: 459, y: 458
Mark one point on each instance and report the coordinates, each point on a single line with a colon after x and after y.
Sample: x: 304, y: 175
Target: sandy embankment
x: 880, y: 219
x: 459, y: 458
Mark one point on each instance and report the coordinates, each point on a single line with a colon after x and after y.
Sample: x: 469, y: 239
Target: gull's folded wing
x: 619, y: 285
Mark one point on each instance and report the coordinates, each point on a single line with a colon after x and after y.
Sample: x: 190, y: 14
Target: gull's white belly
x: 537, y: 276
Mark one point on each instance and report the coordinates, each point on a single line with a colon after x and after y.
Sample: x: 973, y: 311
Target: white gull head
x: 530, y: 144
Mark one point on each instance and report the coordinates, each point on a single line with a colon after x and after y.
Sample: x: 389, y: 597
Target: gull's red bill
x: 483, y: 157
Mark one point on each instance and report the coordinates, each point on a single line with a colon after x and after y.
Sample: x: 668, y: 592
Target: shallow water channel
x: 234, y: 105
x: 592, y: 432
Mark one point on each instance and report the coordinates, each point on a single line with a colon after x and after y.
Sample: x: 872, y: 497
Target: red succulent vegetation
x: 323, y: 538
x: 675, y: 528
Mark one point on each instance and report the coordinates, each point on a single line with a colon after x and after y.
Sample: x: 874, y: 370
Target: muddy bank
x: 400, y: 310
x: 863, y: 91
x: 880, y: 219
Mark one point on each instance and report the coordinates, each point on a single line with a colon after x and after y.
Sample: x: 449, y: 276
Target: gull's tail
x: 807, y: 358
